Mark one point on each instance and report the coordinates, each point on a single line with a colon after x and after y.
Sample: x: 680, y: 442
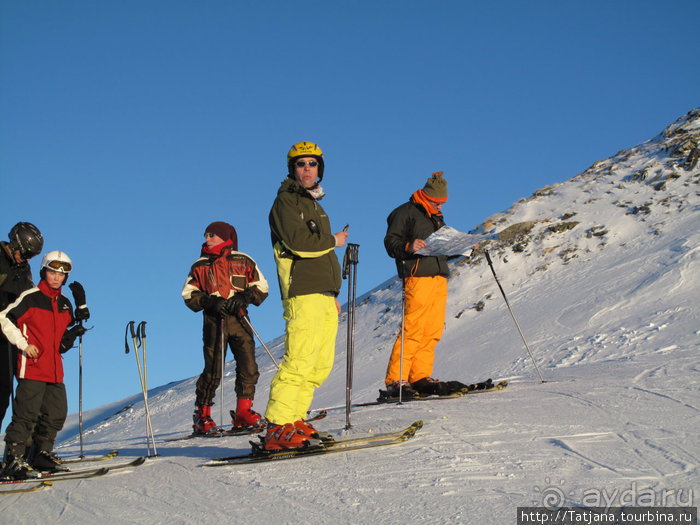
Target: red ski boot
x: 280, y: 437
x: 245, y: 417
x: 203, y: 423
x: 306, y: 428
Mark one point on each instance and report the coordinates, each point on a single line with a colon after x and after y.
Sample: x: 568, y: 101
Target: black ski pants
x: 38, y: 412
x: 8, y: 358
x: 239, y: 338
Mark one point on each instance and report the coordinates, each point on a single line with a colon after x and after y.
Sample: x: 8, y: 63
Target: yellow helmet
x: 305, y: 149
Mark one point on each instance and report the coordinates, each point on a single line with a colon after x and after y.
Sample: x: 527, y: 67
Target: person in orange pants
x: 424, y: 319
x: 425, y: 291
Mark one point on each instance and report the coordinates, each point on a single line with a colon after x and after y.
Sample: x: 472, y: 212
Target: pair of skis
x: 48, y: 479
x: 475, y: 388
x: 219, y: 432
x: 87, y: 459
x: 327, y: 446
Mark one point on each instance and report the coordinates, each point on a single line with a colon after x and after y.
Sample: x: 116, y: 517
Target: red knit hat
x: 225, y: 231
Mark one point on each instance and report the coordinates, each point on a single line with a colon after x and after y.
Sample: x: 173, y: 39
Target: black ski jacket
x: 15, y: 277
x: 406, y: 223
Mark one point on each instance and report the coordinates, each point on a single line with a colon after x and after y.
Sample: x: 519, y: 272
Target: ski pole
x: 130, y: 327
x: 222, y: 333
x: 80, y: 389
x: 11, y: 371
x: 403, y: 313
x: 488, y: 259
x: 141, y: 329
x: 138, y: 341
x: 81, y: 313
x: 149, y: 428
x: 247, y: 320
x: 149, y: 425
x: 349, y: 260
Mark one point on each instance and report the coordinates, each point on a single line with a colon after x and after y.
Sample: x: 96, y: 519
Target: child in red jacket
x: 37, y: 324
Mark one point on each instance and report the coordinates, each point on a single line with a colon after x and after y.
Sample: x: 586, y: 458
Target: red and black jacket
x: 39, y: 316
x: 223, y: 272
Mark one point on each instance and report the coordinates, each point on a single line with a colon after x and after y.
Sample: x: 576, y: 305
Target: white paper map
x: 448, y: 241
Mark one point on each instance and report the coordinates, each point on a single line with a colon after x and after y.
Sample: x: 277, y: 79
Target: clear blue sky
x: 127, y: 126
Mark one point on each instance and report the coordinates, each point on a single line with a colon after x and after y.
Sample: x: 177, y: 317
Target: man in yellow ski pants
x: 309, y: 279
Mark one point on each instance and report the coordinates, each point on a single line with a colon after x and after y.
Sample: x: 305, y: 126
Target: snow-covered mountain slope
x: 602, y: 274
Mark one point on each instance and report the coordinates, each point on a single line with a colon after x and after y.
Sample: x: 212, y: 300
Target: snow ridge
x: 601, y: 271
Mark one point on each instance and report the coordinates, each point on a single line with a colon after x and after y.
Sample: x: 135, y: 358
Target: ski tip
x: 411, y: 430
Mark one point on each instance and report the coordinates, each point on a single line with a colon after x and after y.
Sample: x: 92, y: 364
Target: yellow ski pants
x: 424, y: 321
x: 309, y: 343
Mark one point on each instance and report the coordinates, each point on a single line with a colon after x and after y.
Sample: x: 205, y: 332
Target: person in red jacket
x: 37, y: 324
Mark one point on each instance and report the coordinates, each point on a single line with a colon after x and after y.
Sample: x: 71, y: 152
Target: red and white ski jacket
x: 39, y: 317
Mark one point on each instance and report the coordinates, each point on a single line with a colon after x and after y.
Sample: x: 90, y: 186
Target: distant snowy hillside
x: 602, y: 274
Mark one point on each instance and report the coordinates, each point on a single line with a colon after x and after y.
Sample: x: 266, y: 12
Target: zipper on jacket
x: 56, y: 344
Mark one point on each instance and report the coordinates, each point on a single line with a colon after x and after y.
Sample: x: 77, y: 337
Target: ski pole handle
x: 353, y: 253
x: 130, y: 324
x: 350, y: 258
x: 142, y: 329
x: 135, y: 335
x: 346, y: 263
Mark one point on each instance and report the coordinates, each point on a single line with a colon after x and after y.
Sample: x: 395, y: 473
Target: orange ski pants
x: 424, y: 321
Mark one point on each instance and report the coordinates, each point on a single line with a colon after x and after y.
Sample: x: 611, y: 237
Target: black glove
x: 78, y: 293
x: 82, y: 313
x: 69, y: 337
x: 81, y: 310
x: 237, y: 305
x: 214, y: 305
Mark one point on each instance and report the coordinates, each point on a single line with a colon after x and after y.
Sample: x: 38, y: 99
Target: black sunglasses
x: 302, y: 163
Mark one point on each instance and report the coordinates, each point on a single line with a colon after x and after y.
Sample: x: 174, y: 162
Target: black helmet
x: 26, y: 238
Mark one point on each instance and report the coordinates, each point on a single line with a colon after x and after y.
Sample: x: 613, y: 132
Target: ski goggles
x: 302, y: 163
x: 60, y: 266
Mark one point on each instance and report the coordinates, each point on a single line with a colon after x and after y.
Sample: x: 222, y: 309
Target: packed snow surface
x: 602, y: 276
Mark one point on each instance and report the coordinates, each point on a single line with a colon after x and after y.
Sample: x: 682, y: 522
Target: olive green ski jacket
x: 303, y: 243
